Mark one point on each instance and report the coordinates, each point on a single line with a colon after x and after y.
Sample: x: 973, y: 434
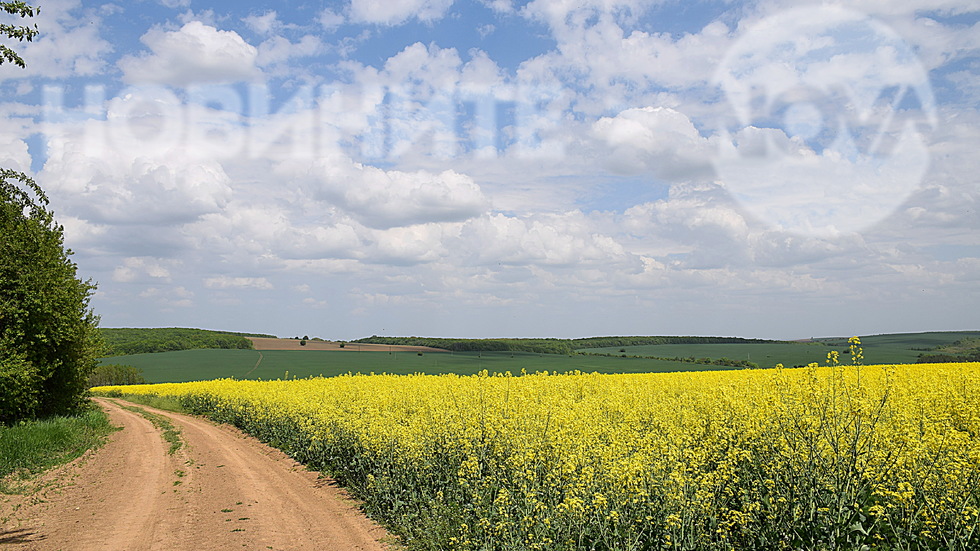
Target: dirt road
x: 221, y: 490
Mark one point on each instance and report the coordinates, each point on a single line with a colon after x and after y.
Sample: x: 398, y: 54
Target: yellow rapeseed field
x: 838, y: 457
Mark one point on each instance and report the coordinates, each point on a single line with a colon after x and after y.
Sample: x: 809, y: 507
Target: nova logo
x: 823, y: 123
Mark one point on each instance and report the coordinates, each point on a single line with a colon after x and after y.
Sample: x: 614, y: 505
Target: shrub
x: 48, y: 335
x: 20, y: 384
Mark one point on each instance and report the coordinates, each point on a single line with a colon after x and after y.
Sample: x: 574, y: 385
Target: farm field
x: 266, y: 364
x: 897, y: 348
x: 846, y: 457
x: 203, y: 365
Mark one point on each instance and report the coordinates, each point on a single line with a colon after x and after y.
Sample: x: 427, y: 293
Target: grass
x: 31, y: 447
x: 167, y: 403
x: 170, y: 433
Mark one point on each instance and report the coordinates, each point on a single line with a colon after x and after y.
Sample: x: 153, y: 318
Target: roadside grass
x: 170, y: 433
x: 31, y: 447
x: 166, y: 403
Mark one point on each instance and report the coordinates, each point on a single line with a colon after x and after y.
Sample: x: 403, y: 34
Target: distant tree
x: 115, y: 374
x: 48, y: 335
x: 302, y: 342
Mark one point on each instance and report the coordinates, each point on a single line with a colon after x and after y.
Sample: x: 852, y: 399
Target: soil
x: 293, y: 344
x: 221, y: 490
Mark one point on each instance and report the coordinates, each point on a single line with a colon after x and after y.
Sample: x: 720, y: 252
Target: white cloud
x: 14, y: 153
x: 656, y: 140
x: 568, y: 239
x: 390, y: 198
x: 195, y: 54
x: 141, y: 268
x: 278, y: 49
x: 228, y: 282
x: 263, y: 24
x: 121, y: 186
x: 395, y: 12
x: 330, y: 19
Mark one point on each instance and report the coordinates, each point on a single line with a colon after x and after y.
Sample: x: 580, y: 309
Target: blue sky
x: 496, y: 168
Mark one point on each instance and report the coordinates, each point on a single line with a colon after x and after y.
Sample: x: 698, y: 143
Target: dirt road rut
x: 221, y: 490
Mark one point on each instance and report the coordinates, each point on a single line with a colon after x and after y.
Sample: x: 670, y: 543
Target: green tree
x: 19, y: 33
x: 48, y: 336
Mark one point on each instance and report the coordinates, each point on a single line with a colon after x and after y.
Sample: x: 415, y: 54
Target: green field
x: 896, y: 348
x: 766, y: 355
x: 202, y: 365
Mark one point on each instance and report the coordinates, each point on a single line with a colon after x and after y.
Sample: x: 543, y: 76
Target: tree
x: 48, y: 334
x: 16, y: 32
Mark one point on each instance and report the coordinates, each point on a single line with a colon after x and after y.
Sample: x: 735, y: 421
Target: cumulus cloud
x: 330, y: 19
x: 263, y: 24
x: 103, y: 172
x: 390, y: 198
x: 141, y: 269
x: 194, y: 54
x: 395, y: 12
x: 229, y: 282
x: 568, y: 239
x: 278, y: 49
x: 656, y: 140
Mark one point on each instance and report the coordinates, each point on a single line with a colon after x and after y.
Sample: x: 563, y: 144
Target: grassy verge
x: 30, y: 447
x: 167, y: 403
x: 170, y: 433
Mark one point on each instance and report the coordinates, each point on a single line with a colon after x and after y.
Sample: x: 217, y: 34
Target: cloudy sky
x: 505, y: 168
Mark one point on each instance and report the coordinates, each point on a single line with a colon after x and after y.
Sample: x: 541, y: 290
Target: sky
x: 499, y: 168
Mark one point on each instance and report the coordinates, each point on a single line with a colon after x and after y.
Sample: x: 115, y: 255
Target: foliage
x: 48, y: 342
x: 973, y: 356
x: 20, y: 385
x: 541, y: 346
x: 48, y: 339
x: 604, y: 342
x: 30, y: 447
x: 16, y: 32
x: 123, y: 341
x: 548, y: 346
x: 842, y: 457
x: 961, y: 350
x: 116, y: 374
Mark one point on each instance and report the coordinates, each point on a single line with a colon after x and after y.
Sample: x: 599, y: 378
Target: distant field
x: 766, y: 355
x: 202, y: 365
x: 898, y: 348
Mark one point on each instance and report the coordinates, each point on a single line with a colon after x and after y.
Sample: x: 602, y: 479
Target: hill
x: 123, y: 341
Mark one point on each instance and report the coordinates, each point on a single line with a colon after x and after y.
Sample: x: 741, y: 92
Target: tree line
x: 125, y: 341
x: 547, y: 346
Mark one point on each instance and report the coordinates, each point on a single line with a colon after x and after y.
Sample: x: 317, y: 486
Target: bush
x: 48, y: 336
x: 20, y: 385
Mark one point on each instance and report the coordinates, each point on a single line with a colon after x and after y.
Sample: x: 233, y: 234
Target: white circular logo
x: 823, y: 131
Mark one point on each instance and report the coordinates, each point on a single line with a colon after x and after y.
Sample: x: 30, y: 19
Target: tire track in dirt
x: 222, y: 490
